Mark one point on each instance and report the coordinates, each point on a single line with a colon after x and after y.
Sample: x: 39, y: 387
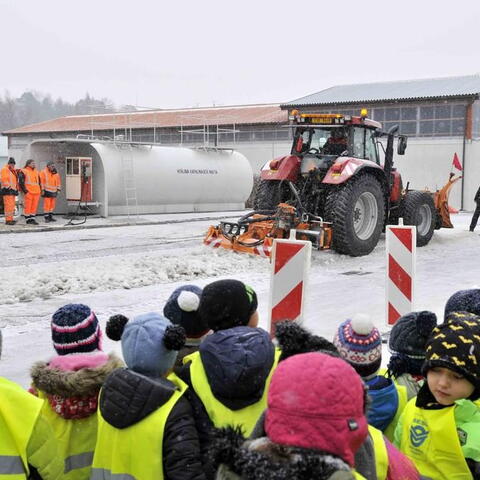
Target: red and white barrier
x: 290, y: 262
x: 401, y: 244
x: 213, y: 242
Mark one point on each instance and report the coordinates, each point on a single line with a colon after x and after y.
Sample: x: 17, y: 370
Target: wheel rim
x: 424, y: 219
x: 365, y: 215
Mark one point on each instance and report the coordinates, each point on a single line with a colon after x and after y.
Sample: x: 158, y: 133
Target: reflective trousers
x: 49, y: 205
x: 31, y: 204
x: 9, y: 206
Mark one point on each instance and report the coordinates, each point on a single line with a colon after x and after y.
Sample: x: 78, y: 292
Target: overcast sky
x: 171, y: 54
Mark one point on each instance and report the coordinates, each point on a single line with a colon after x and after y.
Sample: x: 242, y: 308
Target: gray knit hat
x: 464, y: 301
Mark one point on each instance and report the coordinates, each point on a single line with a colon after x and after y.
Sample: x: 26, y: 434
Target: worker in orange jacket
x: 29, y: 181
x: 9, y: 190
x: 51, y: 185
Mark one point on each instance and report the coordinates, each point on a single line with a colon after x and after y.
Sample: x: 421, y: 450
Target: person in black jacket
x: 143, y: 410
x: 476, y: 213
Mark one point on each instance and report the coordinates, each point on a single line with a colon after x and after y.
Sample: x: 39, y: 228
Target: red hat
x: 316, y: 401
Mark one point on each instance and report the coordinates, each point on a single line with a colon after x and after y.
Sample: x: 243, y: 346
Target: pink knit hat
x: 316, y: 401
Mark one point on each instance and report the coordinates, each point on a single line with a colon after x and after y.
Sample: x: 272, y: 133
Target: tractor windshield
x: 321, y: 140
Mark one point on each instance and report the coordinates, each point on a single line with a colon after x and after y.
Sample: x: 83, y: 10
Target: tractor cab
x: 329, y: 136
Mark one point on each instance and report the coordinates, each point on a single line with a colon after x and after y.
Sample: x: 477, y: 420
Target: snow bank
x: 44, y: 280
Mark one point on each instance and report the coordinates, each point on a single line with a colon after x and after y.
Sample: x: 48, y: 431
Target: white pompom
x: 362, y: 324
x: 188, y: 301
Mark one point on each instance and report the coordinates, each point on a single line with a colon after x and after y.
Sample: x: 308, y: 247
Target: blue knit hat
x: 464, y: 301
x: 75, y: 329
x: 150, y: 344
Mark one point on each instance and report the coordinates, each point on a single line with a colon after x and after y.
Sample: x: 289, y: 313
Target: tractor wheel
x: 268, y: 196
x: 419, y: 210
x: 357, y: 212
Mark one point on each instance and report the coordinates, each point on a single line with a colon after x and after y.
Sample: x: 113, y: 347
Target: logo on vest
x: 418, y: 435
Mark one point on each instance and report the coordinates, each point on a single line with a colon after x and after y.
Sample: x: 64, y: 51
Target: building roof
x: 428, y: 88
x: 191, y: 117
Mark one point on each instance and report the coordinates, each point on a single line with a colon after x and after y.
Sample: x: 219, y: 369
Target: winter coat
x: 129, y: 397
x: 262, y: 459
x: 384, y: 401
x: 9, y: 181
x: 70, y: 385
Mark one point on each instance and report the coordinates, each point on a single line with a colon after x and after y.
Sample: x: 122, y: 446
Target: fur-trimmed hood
x: 261, y: 459
x: 72, y: 383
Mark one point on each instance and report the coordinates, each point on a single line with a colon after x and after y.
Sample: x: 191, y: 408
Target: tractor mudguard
x: 288, y: 169
x: 345, y: 167
x: 397, y: 187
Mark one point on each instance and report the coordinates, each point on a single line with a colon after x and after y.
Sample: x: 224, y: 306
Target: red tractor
x: 333, y: 188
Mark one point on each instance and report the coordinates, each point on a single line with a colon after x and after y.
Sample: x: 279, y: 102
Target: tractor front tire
x: 268, y: 196
x: 419, y: 210
x: 357, y: 213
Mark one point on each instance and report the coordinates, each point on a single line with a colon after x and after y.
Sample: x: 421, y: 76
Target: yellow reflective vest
x: 135, y: 452
x: 219, y: 414
x: 19, y: 412
x: 430, y: 439
x: 381, y: 454
x: 76, y: 439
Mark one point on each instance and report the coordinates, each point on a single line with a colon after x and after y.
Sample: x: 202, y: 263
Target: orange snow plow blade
x: 254, y: 233
x: 440, y: 199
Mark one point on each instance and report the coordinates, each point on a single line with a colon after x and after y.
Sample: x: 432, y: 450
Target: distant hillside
x: 33, y: 107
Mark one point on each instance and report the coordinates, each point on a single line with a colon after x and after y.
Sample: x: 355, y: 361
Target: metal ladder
x: 129, y: 182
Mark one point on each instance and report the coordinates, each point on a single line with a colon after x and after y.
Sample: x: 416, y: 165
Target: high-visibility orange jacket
x: 32, y: 180
x: 9, y: 181
x: 50, y: 182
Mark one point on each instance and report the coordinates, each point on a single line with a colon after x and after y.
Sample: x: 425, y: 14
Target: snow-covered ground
x: 134, y: 269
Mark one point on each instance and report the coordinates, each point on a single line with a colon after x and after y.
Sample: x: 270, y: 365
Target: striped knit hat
x: 360, y: 344
x: 75, y: 329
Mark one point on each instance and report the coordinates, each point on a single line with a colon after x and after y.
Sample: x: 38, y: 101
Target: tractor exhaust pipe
x: 389, y: 155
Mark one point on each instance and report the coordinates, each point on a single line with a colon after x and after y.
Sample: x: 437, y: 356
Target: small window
x: 409, y: 113
x: 371, y: 147
x: 392, y: 114
x: 458, y: 127
x: 442, y: 127
x: 426, y: 113
x: 359, y: 142
x: 426, y: 128
x: 443, y: 111
x: 379, y: 114
x: 458, y: 111
x: 408, y: 128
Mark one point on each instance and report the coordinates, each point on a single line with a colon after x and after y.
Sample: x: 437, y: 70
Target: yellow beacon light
x: 363, y: 112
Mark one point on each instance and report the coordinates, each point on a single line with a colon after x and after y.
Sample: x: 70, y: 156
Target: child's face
x: 448, y: 386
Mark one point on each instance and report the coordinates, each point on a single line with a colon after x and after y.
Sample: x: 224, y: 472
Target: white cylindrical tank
x: 169, y: 179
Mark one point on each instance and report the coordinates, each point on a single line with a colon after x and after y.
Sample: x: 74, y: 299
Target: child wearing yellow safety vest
x: 70, y: 382
x: 145, y: 427
x: 230, y: 374
x: 28, y: 447
x: 440, y: 429
x: 407, y: 344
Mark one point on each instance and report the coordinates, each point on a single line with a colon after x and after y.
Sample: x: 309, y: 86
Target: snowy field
x: 132, y: 270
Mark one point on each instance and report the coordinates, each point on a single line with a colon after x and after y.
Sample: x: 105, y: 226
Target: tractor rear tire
x: 419, y: 210
x: 268, y: 196
x: 357, y: 213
